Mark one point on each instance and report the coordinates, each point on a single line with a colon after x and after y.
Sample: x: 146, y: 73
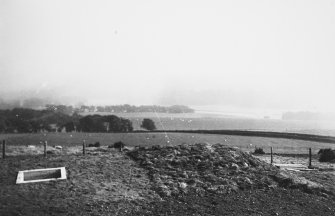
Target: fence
x: 286, y: 159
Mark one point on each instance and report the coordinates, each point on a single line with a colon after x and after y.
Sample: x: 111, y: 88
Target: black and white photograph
x: 167, y: 107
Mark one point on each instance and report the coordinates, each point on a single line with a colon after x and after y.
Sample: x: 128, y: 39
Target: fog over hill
x: 239, y: 55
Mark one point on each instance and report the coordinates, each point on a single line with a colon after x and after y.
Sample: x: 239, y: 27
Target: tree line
x: 126, y: 108
x: 21, y: 120
x: 49, y: 104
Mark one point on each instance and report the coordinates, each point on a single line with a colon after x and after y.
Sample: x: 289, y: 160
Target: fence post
x: 84, y: 149
x: 45, y: 148
x: 3, y: 149
x: 310, y: 158
x: 271, y: 156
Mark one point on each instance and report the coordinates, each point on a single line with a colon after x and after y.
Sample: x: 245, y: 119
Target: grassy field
x: 200, y: 121
x: 189, y: 121
x: 287, y: 146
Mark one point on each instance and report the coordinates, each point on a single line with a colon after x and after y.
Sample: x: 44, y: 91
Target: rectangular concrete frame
x: 20, y: 175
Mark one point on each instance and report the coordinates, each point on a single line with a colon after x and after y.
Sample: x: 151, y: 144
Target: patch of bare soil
x: 103, y: 182
x: 198, y: 179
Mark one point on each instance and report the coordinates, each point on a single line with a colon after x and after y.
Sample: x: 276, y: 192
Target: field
x: 66, y: 140
x: 201, y: 121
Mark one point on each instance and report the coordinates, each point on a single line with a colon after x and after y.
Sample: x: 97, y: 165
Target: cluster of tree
x: 20, y: 120
x: 126, y: 108
x: 310, y: 116
x: 28, y: 120
x: 49, y: 104
x: 148, y: 124
x: 110, y: 123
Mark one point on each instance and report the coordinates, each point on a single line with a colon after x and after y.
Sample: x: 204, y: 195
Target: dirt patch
x: 102, y: 181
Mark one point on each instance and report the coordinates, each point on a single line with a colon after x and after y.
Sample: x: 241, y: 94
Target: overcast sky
x: 243, y: 54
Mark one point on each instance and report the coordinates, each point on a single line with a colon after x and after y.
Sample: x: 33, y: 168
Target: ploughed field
x: 186, y: 179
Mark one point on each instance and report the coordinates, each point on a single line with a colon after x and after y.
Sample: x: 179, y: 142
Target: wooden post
x: 310, y: 158
x: 3, y: 149
x: 84, y: 149
x: 271, y: 156
x: 45, y: 148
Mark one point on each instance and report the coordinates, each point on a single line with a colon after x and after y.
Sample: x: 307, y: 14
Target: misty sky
x: 243, y: 54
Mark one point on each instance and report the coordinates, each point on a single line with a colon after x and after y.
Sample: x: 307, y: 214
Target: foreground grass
x: 97, y: 182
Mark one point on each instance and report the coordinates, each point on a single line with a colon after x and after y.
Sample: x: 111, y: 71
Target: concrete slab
x: 41, y: 175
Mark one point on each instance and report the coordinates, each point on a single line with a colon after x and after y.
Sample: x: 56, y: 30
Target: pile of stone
x: 200, y: 168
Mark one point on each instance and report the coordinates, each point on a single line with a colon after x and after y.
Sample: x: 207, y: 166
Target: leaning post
x: 3, y: 149
x: 310, y: 158
x: 45, y: 148
x: 271, y: 156
x: 84, y: 149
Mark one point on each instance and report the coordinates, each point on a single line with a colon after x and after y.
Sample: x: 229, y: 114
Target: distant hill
x: 51, y: 105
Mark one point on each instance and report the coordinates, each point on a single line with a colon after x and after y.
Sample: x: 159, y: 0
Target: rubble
x: 177, y: 170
